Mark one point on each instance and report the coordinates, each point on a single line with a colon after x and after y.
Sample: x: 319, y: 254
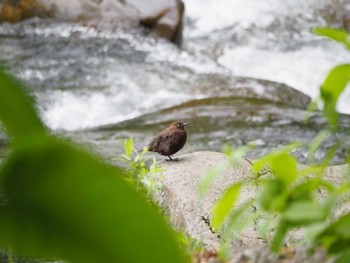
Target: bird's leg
x: 170, y: 159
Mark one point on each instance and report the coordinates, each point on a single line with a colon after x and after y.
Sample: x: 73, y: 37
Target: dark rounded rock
x: 167, y: 23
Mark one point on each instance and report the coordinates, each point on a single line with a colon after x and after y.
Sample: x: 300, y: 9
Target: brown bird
x: 170, y: 140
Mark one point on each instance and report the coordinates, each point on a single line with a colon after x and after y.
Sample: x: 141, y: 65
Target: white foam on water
x: 74, y: 110
x: 303, y: 69
x: 129, y: 96
x: 213, y: 15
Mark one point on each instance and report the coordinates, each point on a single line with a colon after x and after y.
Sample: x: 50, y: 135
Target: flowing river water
x: 246, y: 72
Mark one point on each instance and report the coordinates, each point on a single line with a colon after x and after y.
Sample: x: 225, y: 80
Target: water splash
x: 304, y: 69
x: 272, y: 39
x: 84, y: 76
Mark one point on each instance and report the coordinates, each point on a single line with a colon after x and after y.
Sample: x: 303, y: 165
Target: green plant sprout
x: 142, y: 170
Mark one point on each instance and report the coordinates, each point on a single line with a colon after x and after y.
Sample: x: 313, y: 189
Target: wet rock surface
x: 100, y: 83
x: 271, y: 114
x: 166, y: 23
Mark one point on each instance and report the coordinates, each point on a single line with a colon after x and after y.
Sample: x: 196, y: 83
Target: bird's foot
x: 170, y: 159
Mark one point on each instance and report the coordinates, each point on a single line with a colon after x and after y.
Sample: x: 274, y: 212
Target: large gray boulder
x: 192, y: 214
x: 181, y: 196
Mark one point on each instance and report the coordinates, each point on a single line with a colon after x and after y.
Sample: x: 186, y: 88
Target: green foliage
x: 225, y: 204
x: 14, y: 104
x: 316, y: 144
x: 286, y: 192
x: 142, y: 171
x: 336, y: 237
x: 59, y: 201
x: 344, y: 257
x: 278, y: 160
x: 337, y: 80
x: 339, y: 35
x: 189, y: 244
x: 294, y: 200
x: 290, y: 196
x: 333, y: 86
x: 211, y: 175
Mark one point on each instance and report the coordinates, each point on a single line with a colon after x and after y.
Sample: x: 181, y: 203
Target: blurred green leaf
x: 225, y: 205
x: 316, y: 144
x: 344, y: 257
x: 236, y: 155
x: 64, y: 203
x: 333, y: 86
x: 303, y: 191
x: 273, y: 196
x: 340, y: 35
x: 330, y: 202
x: 16, y: 110
x: 284, y: 166
x: 241, y: 218
x: 281, y: 231
x: 302, y: 212
x: 129, y: 147
x: 314, y: 229
x: 266, y: 224
x: 278, y: 161
x: 209, y: 178
x: 336, y: 237
x: 237, y: 221
x: 331, y: 153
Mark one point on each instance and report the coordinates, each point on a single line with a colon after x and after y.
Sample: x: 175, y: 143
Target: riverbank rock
x: 192, y: 214
x: 167, y: 21
x: 18, y: 10
x: 181, y: 195
x: 163, y: 18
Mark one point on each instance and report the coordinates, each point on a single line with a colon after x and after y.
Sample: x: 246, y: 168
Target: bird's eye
x: 179, y: 125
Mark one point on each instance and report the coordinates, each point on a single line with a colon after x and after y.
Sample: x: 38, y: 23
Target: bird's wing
x: 154, y: 144
x: 162, y: 139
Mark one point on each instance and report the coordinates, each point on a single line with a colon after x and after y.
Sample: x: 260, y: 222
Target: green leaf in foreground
x: 316, y: 144
x: 333, y: 86
x: 344, y: 257
x: 209, y: 178
x: 339, y: 35
x: 273, y: 196
x: 225, y: 205
x: 302, y: 212
x: 278, y: 161
x: 16, y: 112
x: 281, y: 231
x: 61, y: 202
x: 64, y: 203
x: 336, y: 237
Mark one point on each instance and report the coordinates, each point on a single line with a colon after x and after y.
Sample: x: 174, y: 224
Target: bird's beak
x: 186, y: 123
